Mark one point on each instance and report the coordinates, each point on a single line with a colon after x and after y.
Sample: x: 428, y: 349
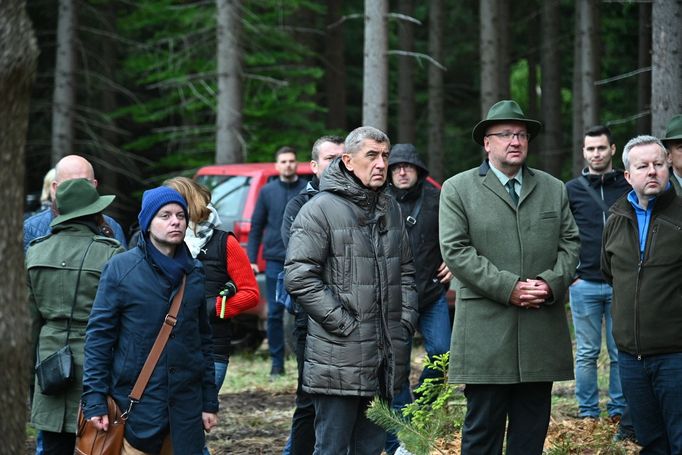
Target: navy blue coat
x: 132, y: 301
x: 266, y: 221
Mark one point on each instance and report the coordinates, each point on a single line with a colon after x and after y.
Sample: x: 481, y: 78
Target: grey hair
x: 354, y: 140
x: 643, y: 139
x: 338, y: 140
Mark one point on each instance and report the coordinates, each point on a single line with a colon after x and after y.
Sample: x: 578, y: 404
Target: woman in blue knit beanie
x: 133, y: 300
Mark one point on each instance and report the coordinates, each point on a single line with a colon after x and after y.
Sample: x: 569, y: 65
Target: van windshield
x: 228, y: 195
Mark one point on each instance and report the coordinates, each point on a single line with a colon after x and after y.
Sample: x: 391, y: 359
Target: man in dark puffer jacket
x: 350, y: 267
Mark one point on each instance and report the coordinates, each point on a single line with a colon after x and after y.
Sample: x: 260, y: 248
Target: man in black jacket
x: 418, y: 200
x: 266, y: 224
x: 590, y: 195
x: 642, y: 260
x: 302, y: 438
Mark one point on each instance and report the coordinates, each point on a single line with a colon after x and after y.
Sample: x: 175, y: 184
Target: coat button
x: 172, y: 370
x: 63, y: 264
x: 172, y: 335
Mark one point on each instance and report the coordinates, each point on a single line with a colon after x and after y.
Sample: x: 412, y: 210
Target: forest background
x: 147, y: 89
x: 136, y: 86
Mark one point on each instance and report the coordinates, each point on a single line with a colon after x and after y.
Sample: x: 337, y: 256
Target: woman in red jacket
x: 230, y: 283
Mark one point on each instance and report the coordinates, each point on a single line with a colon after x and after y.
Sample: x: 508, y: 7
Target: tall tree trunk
x: 644, y: 60
x: 550, y: 61
x: 435, y: 108
x: 588, y: 59
x: 335, y: 67
x: 577, y: 160
x: 503, y: 44
x: 229, y: 141
x: 666, y: 63
x: 489, y: 51
x: 18, y: 55
x: 533, y: 53
x: 406, y: 108
x: 64, y: 98
x: 375, y: 77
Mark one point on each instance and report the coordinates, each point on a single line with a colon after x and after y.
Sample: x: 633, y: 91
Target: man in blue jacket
x: 590, y: 195
x: 135, y: 292
x: 266, y: 226
x: 69, y: 167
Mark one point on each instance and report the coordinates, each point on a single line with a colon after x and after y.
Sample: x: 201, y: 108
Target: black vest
x: 214, y: 258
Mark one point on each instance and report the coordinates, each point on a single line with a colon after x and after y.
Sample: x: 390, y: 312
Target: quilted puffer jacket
x: 350, y: 267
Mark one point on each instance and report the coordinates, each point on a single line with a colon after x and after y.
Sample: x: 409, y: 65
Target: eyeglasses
x: 396, y: 168
x: 508, y: 136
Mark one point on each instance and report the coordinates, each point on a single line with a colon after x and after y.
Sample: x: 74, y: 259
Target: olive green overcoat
x: 489, y: 244
x: 53, y: 263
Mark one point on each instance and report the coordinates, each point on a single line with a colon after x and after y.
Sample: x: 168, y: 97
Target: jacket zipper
x: 636, y: 312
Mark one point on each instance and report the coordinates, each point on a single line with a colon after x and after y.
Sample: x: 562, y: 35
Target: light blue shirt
x: 504, y: 179
x: 643, y: 218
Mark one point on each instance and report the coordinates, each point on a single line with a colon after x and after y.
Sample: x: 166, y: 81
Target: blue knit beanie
x: 153, y: 200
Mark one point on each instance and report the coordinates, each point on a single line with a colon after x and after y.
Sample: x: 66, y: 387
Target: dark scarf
x: 173, y: 268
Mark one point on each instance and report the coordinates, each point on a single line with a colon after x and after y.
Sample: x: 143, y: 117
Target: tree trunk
x: 406, y: 108
x: 503, y: 44
x: 64, y: 98
x: 229, y: 141
x: 375, y: 77
x: 666, y: 63
x: 436, y: 92
x: 533, y: 55
x: 577, y: 160
x: 588, y: 59
x: 644, y: 60
x: 489, y: 51
x: 550, y: 61
x: 335, y: 67
x: 18, y: 55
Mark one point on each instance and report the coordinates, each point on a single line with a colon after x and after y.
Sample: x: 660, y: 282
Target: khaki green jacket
x: 676, y: 183
x: 52, y: 263
x: 489, y: 245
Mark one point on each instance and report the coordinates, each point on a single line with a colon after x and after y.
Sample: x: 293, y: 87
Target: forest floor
x: 255, y: 415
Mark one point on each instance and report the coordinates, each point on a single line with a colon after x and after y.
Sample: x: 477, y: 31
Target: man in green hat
x: 508, y: 236
x: 63, y: 274
x: 673, y: 142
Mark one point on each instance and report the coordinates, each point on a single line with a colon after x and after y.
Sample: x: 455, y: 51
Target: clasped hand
x: 530, y: 293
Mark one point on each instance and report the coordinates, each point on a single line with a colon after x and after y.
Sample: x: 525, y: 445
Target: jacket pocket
x: 347, y: 270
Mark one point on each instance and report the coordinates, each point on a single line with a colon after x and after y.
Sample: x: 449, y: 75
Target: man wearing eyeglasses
x: 508, y: 236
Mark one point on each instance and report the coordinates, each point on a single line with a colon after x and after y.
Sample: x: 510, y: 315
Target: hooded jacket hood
x: 407, y: 153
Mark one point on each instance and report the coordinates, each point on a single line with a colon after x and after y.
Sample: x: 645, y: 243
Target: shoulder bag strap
x: 157, y: 348
x: 594, y: 195
x: 411, y: 220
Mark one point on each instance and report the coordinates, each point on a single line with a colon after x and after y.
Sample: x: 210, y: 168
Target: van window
x: 228, y: 193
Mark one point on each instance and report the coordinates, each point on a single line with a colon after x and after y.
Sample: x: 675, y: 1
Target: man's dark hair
x: 600, y: 130
x: 285, y: 149
x: 338, y: 140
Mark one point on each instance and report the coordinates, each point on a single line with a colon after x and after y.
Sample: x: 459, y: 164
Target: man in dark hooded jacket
x: 418, y: 200
x: 350, y: 267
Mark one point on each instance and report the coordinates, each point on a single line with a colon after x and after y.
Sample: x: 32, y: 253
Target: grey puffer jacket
x: 350, y: 267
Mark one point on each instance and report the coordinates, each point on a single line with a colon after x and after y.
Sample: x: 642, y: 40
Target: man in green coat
x: 673, y: 142
x: 63, y: 274
x: 508, y: 236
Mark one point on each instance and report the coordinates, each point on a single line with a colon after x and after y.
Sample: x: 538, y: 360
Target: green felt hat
x: 673, y: 131
x: 505, y: 111
x: 78, y: 197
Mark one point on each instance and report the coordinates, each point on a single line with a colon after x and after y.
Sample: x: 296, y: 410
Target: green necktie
x: 512, y: 191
